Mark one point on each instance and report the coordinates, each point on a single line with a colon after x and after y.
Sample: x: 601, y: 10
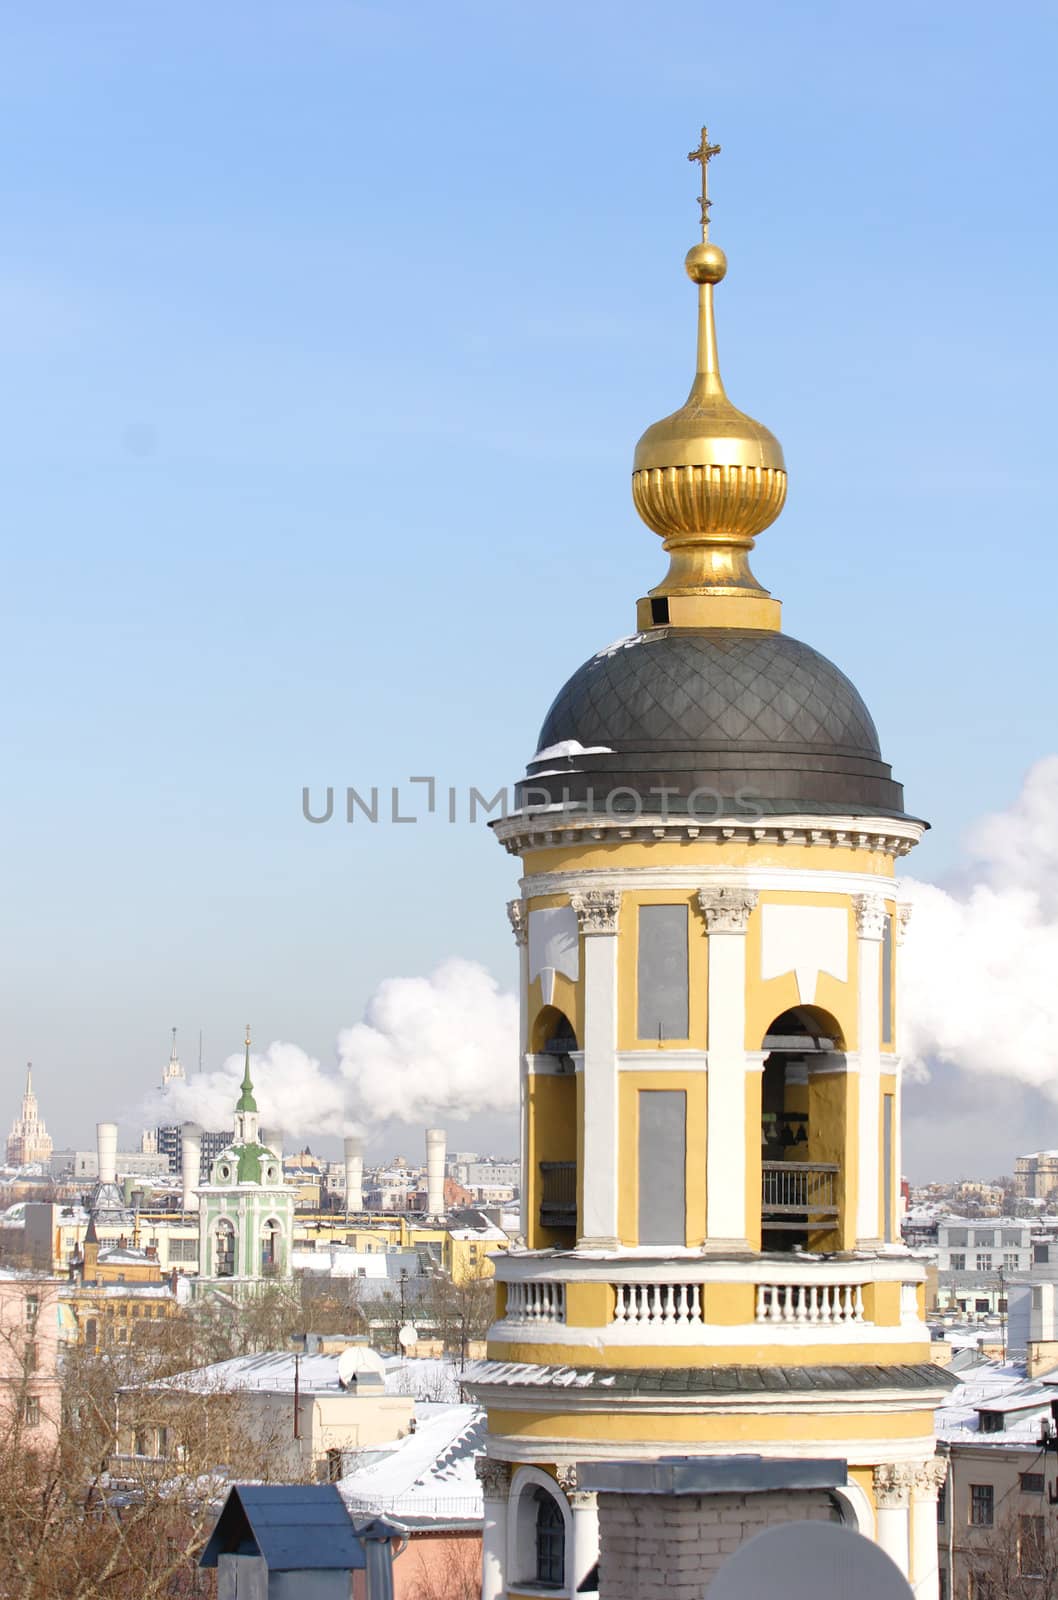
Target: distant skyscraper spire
x: 28, y: 1141
x: 174, y: 1067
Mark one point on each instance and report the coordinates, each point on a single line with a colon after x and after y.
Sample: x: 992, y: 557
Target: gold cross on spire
x: 703, y: 155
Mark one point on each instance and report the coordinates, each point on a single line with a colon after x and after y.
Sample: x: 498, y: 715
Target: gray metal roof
x: 724, y: 708
x: 671, y: 1381
x: 293, y: 1526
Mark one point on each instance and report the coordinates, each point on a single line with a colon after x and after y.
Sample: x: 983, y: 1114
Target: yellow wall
x: 707, y: 1427
x: 693, y: 853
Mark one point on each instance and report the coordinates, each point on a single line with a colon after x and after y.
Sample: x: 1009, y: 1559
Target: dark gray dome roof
x: 722, y: 709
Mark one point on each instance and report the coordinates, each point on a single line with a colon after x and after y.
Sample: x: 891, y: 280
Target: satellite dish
x: 348, y: 1367
x: 810, y: 1561
x: 407, y: 1336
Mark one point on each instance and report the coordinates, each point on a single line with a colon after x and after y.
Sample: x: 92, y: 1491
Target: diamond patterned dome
x: 720, y: 708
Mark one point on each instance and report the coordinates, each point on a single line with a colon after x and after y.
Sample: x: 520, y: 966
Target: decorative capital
x: 903, y: 917
x: 494, y: 1477
x: 931, y: 1477
x: 870, y: 915
x: 566, y: 1477
x: 893, y: 1485
x: 518, y: 918
x: 727, y: 910
x: 596, y: 910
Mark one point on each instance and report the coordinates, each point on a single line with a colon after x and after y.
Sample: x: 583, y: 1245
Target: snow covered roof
x: 273, y: 1373
x: 428, y: 1477
x: 995, y: 1388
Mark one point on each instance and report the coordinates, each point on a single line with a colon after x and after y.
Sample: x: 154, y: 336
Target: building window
x: 1041, y: 1254
x: 991, y: 1421
x: 1010, y: 1261
x: 982, y: 1586
x: 224, y: 1242
x: 981, y: 1305
x: 32, y: 1308
x: 550, y: 1542
x: 942, y: 1503
x: 982, y: 1504
x: 984, y: 1261
x: 943, y: 1591
x: 1031, y: 1540
x: 91, y: 1332
x: 957, y: 1261
x: 1031, y: 1482
x: 31, y: 1414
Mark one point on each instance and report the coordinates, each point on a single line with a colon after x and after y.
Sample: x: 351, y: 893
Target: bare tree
x: 451, y: 1572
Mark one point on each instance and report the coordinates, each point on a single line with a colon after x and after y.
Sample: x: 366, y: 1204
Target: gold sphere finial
x: 709, y: 478
x: 705, y: 263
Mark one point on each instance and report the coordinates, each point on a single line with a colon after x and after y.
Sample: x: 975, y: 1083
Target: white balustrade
x: 810, y: 1302
x: 669, y: 1304
x: 536, y: 1302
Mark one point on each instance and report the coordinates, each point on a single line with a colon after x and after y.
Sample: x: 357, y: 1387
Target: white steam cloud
x: 294, y: 1094
x: 979, y: 980
x: 444, y: 1046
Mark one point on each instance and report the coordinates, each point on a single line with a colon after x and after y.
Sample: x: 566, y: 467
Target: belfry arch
x: 805, y: 1132
x: 552, y: 1093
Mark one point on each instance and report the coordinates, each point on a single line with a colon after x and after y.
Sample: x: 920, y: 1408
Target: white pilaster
x: 870, y: 922
x: 924, y: 1574
x: 727, y: 912
x: 519, y: 920
x: 495, y: 1479
x: 892, y: 1500
x: 597, y: 912
x: 584, y: 1551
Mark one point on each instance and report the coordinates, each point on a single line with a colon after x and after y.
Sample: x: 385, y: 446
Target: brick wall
x: 668, y: 1547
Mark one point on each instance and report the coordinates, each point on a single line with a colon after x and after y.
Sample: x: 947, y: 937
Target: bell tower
x: 709, y: 928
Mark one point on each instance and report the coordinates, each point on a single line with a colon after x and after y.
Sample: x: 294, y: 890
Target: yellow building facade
x: 709, y: 927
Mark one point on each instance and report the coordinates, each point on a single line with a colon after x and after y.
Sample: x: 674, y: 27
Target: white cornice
x: 541, y: 830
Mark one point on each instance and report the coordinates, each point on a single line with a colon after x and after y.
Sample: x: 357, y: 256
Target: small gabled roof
x: 293, y: 1526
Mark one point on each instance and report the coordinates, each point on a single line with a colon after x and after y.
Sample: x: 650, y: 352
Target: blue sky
x: 327, y: 332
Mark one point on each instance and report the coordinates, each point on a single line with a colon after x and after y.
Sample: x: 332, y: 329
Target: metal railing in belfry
x: 793, y: 1192
x: 558, y: 1194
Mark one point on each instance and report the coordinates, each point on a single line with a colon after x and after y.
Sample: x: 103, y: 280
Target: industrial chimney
x: 107, y: 1151
x: 190, y: 1165
x: 435, y: 1172
x: 354, y: 1173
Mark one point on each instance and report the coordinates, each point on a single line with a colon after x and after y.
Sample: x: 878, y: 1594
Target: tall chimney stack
x: 435, y: 1172
x: 354, y: 1173
x: 107, y: 1151
x: 190, y: 1165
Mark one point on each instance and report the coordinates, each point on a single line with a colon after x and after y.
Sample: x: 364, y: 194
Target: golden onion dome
x: 708, y: 478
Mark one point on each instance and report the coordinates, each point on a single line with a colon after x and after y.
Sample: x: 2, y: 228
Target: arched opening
x: 224, y: 1250
x: 550, y: 1541
x: 271, y: 1248
x: 539, y: 1532
x: 552, y: 1113
x: 803, y: 1128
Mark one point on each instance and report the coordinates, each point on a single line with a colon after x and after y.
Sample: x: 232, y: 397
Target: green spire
x: 246, y: 1101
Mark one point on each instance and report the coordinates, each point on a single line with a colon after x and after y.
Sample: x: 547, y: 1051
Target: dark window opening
x: 659, y: 611
x: 982, y: 1505
x: 550, y: 1542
